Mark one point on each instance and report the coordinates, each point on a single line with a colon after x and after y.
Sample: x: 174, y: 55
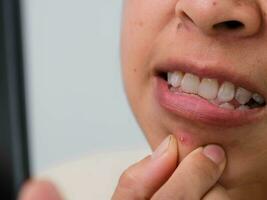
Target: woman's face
x: 218, y: 51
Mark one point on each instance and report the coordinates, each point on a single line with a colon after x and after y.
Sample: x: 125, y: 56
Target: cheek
x: 142, y: 23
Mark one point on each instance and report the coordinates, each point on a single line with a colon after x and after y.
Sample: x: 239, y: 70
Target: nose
x: 241, y: 18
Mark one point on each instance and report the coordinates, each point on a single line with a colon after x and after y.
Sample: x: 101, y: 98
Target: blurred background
x: 75, y: 98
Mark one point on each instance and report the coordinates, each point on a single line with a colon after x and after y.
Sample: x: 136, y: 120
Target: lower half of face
x: 200, y: 73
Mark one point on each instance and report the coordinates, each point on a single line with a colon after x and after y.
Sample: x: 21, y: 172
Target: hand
x: 160, y: 177
x: 39, y: 190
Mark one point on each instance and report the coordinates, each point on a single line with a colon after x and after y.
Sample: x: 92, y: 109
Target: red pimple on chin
x: 184, y: 139
x: 181, y: 138
x: 185, y: 144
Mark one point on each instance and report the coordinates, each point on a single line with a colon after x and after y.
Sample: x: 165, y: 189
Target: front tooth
x: 242, y: 95
x: 190, y: 83
x: 258, y: 98
x: 227, y: 106
x: 208, y: 88
x: 175, y: 78
x: 226, y: 92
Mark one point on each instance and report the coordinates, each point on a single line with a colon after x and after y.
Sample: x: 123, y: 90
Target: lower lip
x: 197, y: 109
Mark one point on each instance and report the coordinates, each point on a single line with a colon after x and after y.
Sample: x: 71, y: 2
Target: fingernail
x: 162, y: 148
x: 215, y: 153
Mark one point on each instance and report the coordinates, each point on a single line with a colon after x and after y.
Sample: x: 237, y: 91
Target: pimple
x: 185, y: 140
x: 214, y: 3
x: 182, y: 139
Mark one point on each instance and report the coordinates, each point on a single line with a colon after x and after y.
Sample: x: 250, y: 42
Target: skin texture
x: 154, y: 30
x: 157, y: 177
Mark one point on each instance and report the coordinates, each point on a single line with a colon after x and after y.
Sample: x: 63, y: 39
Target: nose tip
x: 221, y: 17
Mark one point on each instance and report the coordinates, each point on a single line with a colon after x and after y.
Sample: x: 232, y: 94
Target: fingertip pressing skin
x: 144, y: 178
x: 168, y: 161
x: 201, y: 169
x: 174, y: 147
x: 216, y: 154
x: 171, y: 148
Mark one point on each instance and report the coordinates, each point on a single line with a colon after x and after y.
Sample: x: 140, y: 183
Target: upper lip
x: 221, y: 73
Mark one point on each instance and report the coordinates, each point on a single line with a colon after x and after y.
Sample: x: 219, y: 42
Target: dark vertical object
x: 14, y: 167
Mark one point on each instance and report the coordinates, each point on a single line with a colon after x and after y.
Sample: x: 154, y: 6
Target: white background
x: 75, y: 99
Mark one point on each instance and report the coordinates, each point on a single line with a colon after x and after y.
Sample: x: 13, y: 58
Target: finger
x: 195, y: 176
x: 218, y: 192
x: 143, y: 179
x: 39, y: 190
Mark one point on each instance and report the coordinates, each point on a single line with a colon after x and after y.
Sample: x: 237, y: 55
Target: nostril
x: 185, y: 16
x: 229, y: 25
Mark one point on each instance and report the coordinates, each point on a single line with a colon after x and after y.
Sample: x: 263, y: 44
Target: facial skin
x: 156, y: 30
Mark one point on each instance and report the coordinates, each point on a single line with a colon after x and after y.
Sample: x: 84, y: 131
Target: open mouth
x: 224, y: 94
x: 205, y: 99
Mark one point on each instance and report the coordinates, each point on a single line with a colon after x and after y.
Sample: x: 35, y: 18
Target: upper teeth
x: 242, y: 95
x: 210, y: 89
x: 190, y: 83
x: 226, y: 92
x: 175, y: 78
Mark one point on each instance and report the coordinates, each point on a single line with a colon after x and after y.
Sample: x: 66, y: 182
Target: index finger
x: 143, y: 179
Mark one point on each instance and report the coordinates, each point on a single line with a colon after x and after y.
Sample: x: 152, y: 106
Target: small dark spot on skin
x: 214, y: 3
x: 134, y: 69
x: 238, y: 3
x: 179, y: 25
x: 140, y: 24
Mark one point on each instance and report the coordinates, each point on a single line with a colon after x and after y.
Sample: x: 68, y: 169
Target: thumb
x: 196, y: 174
x: 39, y: 190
